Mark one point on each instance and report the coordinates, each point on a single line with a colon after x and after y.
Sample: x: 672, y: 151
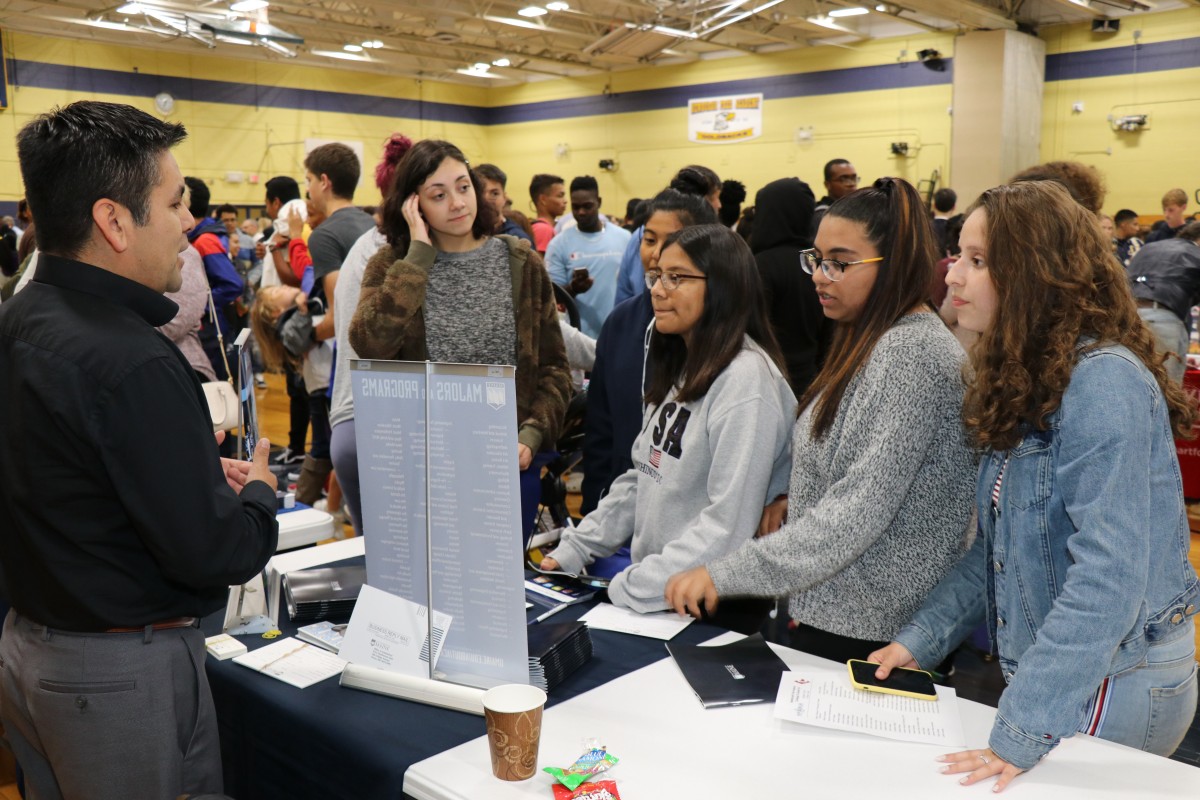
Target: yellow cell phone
x: 915, y: 683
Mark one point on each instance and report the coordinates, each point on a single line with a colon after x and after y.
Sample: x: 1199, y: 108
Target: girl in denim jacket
x: 1080, y: 567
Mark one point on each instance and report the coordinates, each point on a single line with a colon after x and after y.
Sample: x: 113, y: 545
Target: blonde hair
x: 1175, y: 197
x: 269, y: 304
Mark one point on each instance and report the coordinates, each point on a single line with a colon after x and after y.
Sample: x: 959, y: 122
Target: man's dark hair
x: 283, y: 188
x: 226, y: 208
x: 78, y: 154
x: 198, y: 204
x: 834, y: 162
x: 541, y: 184
x: 490, y: 172
x: 585, y: 183
x: 1124, y: 215
x: 1190, y: 231
x: 944, y: 199
x: 339, y: 163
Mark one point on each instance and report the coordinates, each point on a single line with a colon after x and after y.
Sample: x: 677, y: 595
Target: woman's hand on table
x: 773, y: 517
x: 549, y: 565
x: 890, y: 657
x: 980, y: 764
x: 692, y: 593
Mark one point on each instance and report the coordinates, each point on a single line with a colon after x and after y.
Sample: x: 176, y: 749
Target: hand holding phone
x: 915, y: 683
x: 581, y: 281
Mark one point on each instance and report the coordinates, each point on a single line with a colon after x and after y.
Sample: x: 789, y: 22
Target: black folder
x: 743, y: 672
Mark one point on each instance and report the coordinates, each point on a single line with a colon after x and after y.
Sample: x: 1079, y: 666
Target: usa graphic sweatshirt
x: 702, y: 472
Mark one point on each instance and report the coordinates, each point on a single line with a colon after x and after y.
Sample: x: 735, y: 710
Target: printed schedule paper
x: 824, y: 697
x: 293, y: 661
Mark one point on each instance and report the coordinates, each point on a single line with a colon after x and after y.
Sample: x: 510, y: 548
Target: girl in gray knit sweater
x: 714, y: 444
x: 881, y: 483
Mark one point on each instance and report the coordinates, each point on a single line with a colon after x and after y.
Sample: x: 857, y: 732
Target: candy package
x: 596, y: 790
x: 593, y: 762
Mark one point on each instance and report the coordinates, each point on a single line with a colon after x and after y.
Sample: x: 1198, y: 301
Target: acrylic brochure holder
x: 437, y: 455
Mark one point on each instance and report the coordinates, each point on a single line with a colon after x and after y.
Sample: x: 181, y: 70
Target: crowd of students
x: 790, y: 416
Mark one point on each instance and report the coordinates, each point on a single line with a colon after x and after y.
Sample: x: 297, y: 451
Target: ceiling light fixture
x: 132, y: 8
x: 847, y: 12
x: 373, y: 44
x: 740, y: 17
x: 249, y: 5
x: 501, y: 62
x: 338, y: 54
x: 826, y: 22
x: 352, y: 48
x: 532, y: 11
x: 476, y: 73
x: 558, y: 5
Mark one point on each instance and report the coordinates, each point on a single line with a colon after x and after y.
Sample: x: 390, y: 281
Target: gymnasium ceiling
x: 452, y: 40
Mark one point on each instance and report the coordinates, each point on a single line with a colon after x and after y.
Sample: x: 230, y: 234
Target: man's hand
x: 580, y: 282
x: 260, y: 469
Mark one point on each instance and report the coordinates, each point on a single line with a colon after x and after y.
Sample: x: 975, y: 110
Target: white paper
x: 293, y: 661
x: 389, y: 632
x: 824, y: 697
x: 661, y: 625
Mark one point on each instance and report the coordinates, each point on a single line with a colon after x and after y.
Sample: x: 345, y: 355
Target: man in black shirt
x: 119, y: 524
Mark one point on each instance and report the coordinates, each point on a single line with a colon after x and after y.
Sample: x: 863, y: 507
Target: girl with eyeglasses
x: 714, y: 443
x: 1080, y: 566
x: 879, y: 501
x: 444, y: 289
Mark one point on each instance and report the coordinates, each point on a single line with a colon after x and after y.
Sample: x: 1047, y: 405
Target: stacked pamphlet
x: 555, y: 651
x: 324, y: 593
x: 323, y: 634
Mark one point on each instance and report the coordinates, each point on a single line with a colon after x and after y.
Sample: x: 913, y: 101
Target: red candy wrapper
x: 598, y: 790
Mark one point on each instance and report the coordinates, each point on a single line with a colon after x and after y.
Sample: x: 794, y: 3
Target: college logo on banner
x: 724, y: 120
x: 496, y: 398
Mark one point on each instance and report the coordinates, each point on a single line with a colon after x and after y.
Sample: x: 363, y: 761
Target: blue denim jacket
x: 1082, y: 566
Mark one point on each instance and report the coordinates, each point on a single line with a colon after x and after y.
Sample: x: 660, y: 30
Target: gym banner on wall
x: 724, y: 120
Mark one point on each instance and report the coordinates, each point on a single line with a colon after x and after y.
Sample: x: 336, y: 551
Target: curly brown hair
x: 1059, y: 292
x: 1083, y: 182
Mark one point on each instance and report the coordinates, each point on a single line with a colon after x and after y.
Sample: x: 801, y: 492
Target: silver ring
x: 984, y: 759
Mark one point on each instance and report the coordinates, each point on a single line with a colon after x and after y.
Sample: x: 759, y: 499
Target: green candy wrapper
x: 591, y: 763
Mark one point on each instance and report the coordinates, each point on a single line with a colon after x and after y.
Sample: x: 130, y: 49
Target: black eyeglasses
x: 810, y: 260
x: 670, y: 280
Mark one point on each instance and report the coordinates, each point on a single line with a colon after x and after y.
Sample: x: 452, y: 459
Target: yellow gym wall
x: 648, y: 145
x: 1140, y: 166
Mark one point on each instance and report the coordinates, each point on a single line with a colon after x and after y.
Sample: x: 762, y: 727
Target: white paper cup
x: 513, y: 714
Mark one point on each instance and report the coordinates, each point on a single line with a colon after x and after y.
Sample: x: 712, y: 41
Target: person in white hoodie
x: 715, y: 440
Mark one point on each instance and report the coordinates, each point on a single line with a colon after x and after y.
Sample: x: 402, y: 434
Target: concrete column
x: 996, y: 130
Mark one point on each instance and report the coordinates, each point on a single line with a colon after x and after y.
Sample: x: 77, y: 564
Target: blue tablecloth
x: 325, y: 741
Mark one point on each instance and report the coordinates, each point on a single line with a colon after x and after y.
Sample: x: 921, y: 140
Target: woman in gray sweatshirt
x: 715, y: 437
x: 882, y: 477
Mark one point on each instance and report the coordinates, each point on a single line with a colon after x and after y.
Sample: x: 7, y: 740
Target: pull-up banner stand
x: 441, y: 506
